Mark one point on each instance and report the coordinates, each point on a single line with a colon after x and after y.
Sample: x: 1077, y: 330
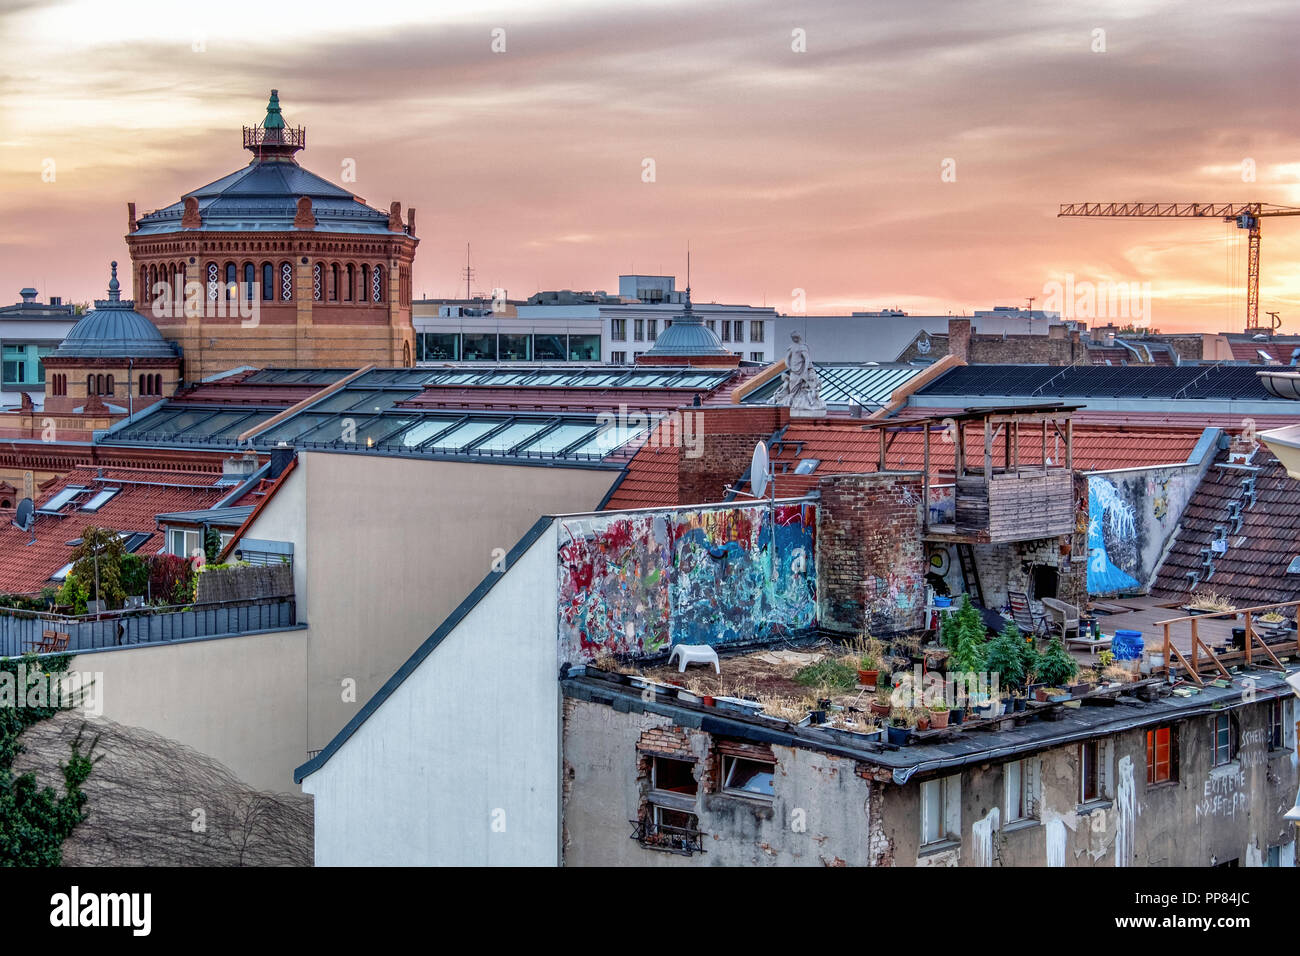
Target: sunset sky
x: 816, y: 170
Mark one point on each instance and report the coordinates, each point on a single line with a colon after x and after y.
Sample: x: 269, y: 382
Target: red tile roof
x: 845, y: 448
x: 1253, y: 568
x: 29, y: 558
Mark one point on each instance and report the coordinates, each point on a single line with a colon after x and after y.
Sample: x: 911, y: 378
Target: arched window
x: 144, y: 283
x: 153, y: 281
x: 109, y: 386
x: 268, y: 282
x: 352, y: 284
x: 232, y: 281
x: 334, y: 282
x: 90, y: 385
x: 157, y: 384
x: 286, y: 282
x: 317, y: 281
x: 250, y: 278
x: 214, y: 281
x: 363, y: 291
x: 377, y: 285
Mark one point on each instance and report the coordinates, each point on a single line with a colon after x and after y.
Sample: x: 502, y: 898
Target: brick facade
x: 724, y: 443
x: 871, y: 560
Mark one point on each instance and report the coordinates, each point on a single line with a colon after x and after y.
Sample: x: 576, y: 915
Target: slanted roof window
x: 62, y: 498
x: 807, y: 466
x: 100, y: 499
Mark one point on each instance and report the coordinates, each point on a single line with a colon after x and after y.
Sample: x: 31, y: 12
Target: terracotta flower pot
x: 938, y: 719
x: 868, y: 678
x: 880, y: 710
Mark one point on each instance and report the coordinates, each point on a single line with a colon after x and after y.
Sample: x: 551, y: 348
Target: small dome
x: 114, y: 330
x: 688, y: 337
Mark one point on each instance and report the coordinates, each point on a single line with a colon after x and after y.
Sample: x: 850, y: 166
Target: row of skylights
x: 68, y: 495
x: 343, y: 420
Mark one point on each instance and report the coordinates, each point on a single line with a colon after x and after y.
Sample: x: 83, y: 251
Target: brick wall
x: 870, y: 558
x: 724, y: 445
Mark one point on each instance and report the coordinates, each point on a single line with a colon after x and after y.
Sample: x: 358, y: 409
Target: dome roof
x: 688, y: 337
x: 263, y: 196
x: 114, y: 330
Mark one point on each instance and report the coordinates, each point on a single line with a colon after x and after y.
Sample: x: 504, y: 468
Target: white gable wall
x: 460, y: 765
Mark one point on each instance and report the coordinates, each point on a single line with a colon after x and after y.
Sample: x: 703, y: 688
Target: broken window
x: 1276, y: 723
x: 1162, y: 766
x: 752, y: 778
x: 675, y: 776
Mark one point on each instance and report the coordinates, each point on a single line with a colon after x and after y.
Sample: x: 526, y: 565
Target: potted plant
x: 867, y: 652
x: 939, y: 714
x: 1055, y: 665
x: 1004, y: 656
x: 1208, y: 602
x: 1018, y: 702
x: 899, y: 729
x: 882, y: 702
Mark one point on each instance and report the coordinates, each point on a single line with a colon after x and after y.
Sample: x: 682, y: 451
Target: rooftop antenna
x: 468, y: 273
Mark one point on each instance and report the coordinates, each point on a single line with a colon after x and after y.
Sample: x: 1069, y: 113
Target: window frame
x: 947, y: 805
x: 1090, y: 766
x: 728, y: 768
x: 1026, y: 794
x: 1277, y: 724
x: 1223, y: 724
x: 1153, y: 745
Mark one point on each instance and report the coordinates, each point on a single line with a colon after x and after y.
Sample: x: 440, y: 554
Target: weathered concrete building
x: 1169, y: 781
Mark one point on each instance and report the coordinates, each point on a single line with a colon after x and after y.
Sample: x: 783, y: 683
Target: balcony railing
x: 255, y: 137
x: 661, y: 836
x: 22, y: 632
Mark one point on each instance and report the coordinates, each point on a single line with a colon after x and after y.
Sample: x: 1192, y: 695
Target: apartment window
x: 738, y: 330
x: 1276, y: 724
x: 1225, y: 740
x: 183, y: 543
x: 1162, y: 763
x: 618, y: 358
x: 940, y: 810
x: 638, y: 330
x: 668, y: 821
x: 618, y: 330
x: 726, y: 331
x: 755, y: 331
x: 1090, y: 767
x: 752, y: 778
x: 756, y: 356
x: 652, y: 329
x: 1020, y: 779
x: 712, y: 325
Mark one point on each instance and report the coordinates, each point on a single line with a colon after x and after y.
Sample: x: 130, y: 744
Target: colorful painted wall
x: 637, y: 583
x: 1131, y: 515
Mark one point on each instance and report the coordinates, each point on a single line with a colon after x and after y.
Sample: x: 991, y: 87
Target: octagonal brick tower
x: 329, y: 275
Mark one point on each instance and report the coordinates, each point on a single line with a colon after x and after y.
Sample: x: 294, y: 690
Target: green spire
x: 273, y: 118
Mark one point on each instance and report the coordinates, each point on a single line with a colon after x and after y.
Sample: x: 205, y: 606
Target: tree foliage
x: 35, y: 820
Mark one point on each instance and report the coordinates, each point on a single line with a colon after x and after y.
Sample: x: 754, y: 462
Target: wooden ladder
x: 969, y: 575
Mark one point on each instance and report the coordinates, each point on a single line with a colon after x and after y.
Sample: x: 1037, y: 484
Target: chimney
x: 56, y: 300
x: 29, y: 295
x: 410, y: 222
x: 1056, y: 332
x: 959, y: 338
x: 281, y: 455
x: 130, y: 217
x: 239, y: 467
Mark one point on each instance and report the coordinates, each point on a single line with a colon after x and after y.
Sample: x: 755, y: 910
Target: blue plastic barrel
x: 1127, y: 645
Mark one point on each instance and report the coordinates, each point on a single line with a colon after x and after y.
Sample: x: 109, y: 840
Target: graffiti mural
x: 1112, y: 532
x: 638, y: 583
x: 1132, y: 513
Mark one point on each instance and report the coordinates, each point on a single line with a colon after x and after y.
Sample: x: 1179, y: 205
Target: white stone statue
x: 800, y: 387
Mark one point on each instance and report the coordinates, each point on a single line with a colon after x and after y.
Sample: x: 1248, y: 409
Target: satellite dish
x: 758, y: 475
x: 25, y: 514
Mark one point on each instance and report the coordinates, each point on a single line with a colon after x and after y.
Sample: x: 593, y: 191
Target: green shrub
x: 1004, y: 657
x: 827, y: 673
x: 1055, y: 665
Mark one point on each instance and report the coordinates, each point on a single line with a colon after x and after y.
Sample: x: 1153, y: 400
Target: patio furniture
x: 1062, y: 616
x: 694, y: 654
x: 1092, y: 644
x: 51, y: 642
x: 1023, y: 614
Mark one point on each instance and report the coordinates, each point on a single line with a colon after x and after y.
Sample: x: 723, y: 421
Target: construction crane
x: 1245, y: 214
